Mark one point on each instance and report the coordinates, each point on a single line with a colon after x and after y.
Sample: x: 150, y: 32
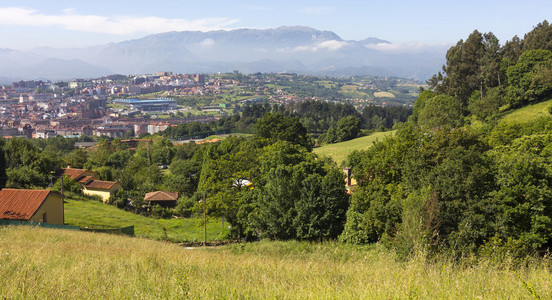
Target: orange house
x: 31, y: 205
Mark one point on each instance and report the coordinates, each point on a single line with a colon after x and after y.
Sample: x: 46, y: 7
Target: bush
x: 184, y: 207
x: 157, y: 211
x: 69, y: 185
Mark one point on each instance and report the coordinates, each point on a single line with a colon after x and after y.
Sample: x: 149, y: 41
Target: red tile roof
x: 16, y: 204
x: 73, y: 173
x: 99, y: 184
x: 86, y: 179
x: 161, y: 196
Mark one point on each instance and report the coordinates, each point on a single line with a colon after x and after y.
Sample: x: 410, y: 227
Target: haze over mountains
x: 284, y: 49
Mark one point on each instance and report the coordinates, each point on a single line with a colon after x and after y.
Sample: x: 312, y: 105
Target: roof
x: 161, y: 196
x: 100, y: 185
x: 86, y: 179
x: 19, y: 204
x: 72, y: 173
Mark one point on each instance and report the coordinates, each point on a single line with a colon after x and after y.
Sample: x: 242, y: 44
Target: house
x: 91, y: 185
x: 75, y: 174
x: 162, y: 198
x: 31, y: 205
x: 104, y: 189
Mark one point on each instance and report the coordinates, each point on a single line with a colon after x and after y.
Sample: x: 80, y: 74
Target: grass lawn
x: 39, y: 263
x: 223, y: 136
x: 339, y: 151
x: 94, y: 214
x: 528, y: 113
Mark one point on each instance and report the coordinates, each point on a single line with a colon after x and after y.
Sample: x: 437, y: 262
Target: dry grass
x: 42, y: 263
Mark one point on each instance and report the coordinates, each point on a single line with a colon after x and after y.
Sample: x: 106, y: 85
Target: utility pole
x: 204, y: 220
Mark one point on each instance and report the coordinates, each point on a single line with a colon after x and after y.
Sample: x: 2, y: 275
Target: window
x: 44, y: 218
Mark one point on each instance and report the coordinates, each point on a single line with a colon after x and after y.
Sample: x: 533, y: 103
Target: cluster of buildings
x: 42, y: 109
x: 46, y: 206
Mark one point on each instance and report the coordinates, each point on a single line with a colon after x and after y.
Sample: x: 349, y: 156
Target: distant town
x: 130, y: 106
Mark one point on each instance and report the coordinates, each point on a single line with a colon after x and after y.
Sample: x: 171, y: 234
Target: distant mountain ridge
x: 297, y: 49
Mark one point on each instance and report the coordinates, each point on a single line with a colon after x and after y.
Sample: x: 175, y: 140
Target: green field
x: 94, y: 214
x: 38, y: 263
x: 339, y: 151
x: 528, y: 113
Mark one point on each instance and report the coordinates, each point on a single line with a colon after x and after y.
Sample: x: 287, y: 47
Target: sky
x: 26, y: 24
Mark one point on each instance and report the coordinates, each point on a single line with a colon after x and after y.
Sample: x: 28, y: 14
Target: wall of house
x: 102, y: 193
x: 53, y: 207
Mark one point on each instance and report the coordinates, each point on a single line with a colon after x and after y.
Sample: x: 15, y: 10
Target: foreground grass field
x: 94, y: 214
x: 48, y: 263
x: 340, y: 151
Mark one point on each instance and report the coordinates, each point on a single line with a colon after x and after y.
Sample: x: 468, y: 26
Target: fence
x: 125, y: 230
x: 45, y: 225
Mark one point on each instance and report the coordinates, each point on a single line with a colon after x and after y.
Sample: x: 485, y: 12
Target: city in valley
x: 129, y: 106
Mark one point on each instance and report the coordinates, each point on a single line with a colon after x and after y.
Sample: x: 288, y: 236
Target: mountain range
x: 285, y: 49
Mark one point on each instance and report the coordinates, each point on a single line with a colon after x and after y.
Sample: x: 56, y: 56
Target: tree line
x: 454, y: 178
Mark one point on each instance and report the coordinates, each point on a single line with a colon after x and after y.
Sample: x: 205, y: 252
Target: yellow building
x: 91, y: 186
x: 31, y: 205
x: 104, y: 189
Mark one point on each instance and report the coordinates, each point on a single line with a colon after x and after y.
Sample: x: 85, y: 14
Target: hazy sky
x: 25, y: 24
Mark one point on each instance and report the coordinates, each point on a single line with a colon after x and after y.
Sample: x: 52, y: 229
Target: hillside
x: 339, y: 151
x: 48, y: 263
x: 528, y: 113
x: 94, y: 214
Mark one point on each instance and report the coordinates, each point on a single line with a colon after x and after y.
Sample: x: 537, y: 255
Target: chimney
x: 347, y: 172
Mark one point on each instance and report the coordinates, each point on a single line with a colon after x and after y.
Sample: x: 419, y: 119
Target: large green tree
x: 298, y: 196
x: 277, y: 127
x: 530, y: 79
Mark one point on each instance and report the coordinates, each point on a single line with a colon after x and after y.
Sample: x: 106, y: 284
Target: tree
x: 276, y: 127
x: 3, y: 167
x: 440, y: 111
x: 529, y: 79
x: 539, y: 38
x: 463, y: 68
x: 298, y: 196
x: 348, y: 128
x: 184, y: 177
x: 222, y: 182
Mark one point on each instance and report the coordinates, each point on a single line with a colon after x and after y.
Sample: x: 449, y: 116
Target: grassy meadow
x: 528, y: 113
x: 339, y: 151
x: 49, y: 263
x: 94, y: 214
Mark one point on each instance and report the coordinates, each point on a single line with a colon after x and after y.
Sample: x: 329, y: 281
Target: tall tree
x: 279, y: 127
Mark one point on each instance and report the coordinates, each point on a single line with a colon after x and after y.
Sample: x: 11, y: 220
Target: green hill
x: 38, y: 263
x: 340, y: 151
x: 94, y: 214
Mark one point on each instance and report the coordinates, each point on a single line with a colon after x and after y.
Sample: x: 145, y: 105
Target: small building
x: 91, y: 186
x: 75, y: 174
x: 101, y: 188
x: 162, y: 198
x: 31, y: 205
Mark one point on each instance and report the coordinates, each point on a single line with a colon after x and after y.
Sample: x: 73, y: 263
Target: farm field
x: 94, y: 214
x: 49, y: 263
x: 339, y: 151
